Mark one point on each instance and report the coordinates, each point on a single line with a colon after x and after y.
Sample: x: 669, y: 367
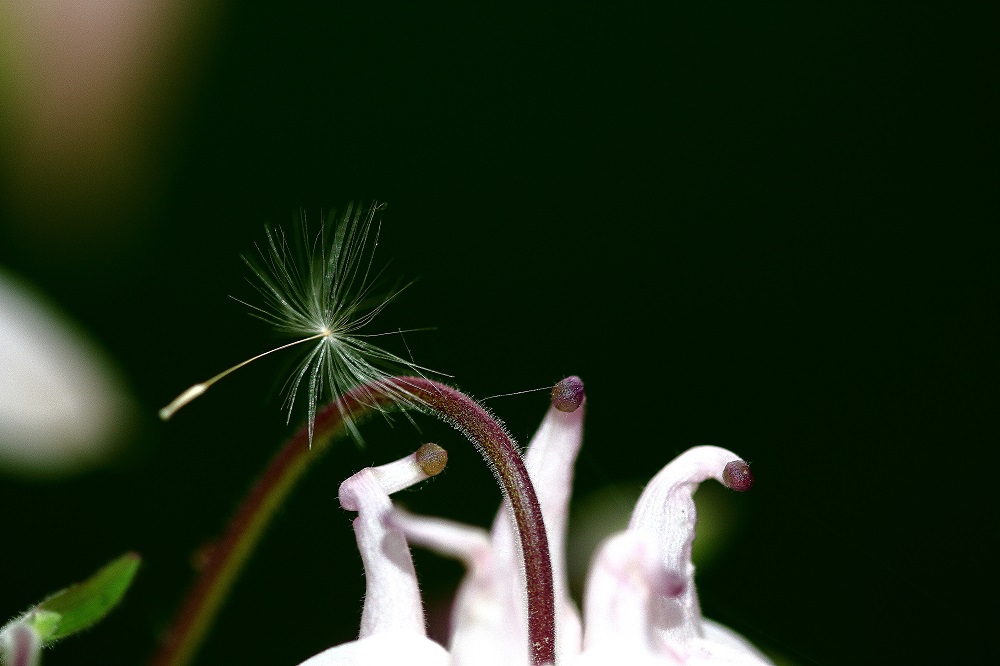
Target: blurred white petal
x: 63, y: 407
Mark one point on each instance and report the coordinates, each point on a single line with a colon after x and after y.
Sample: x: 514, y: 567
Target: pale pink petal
x: 480, y: 631
x: 474, y: 628
x: 641, y: 604
x: 445, y: 537
x: 617, y: 601
x: 392, y: 597
x: 482, y: 611
x: 666, y: 511
x: 384, y: 648
x: 722, y: 645
x: 20, y: 645
x: 392, y: 621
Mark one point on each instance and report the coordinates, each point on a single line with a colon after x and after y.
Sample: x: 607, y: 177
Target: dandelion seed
x: 328, y: 295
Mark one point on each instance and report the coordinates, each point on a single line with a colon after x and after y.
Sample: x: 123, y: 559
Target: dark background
x: 757, y: 225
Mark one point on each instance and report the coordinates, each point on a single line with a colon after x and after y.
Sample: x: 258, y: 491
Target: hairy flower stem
x: 230, y: 553
x: 501, y: 453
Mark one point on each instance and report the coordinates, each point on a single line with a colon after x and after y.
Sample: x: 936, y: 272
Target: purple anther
x: 567, y: 395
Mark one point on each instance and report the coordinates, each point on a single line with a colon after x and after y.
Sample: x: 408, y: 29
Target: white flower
x: 640, y: 605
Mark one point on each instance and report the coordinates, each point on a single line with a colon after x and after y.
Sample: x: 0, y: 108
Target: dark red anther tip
x: 737, y: 476
x: 567, y: 395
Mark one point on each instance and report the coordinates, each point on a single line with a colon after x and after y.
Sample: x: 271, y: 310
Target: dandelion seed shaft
x: 196, y: 390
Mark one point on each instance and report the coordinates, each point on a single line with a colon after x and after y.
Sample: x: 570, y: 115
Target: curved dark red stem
x: 500, y: 452
x: 230, y: 553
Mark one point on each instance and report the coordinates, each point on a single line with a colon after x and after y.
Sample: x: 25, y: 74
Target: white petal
x: 617, y: 602
x: 445, y: 537
x: 392, y: 622
x: 474, y: 626
x: 725, y: 646
x: 641, y: 606
x: 666, y: 512
x: 482, y: 620
x: 392, y: 597
x: 385, y: 648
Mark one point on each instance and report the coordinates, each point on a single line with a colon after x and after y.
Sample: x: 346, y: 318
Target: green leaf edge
x: 84, y: 604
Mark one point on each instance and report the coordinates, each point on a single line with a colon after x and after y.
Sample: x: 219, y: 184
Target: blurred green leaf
x: 80, y: 606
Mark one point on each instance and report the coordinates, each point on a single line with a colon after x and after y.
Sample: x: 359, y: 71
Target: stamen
x: 392, y: 597
x: 397, y: 475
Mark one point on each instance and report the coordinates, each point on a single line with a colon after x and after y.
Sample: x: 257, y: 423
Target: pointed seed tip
x: 567, y: 395
x: 737, y: 476
x: 181, y: 400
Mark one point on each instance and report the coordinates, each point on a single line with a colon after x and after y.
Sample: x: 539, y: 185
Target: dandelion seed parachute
x: 328, y: 295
